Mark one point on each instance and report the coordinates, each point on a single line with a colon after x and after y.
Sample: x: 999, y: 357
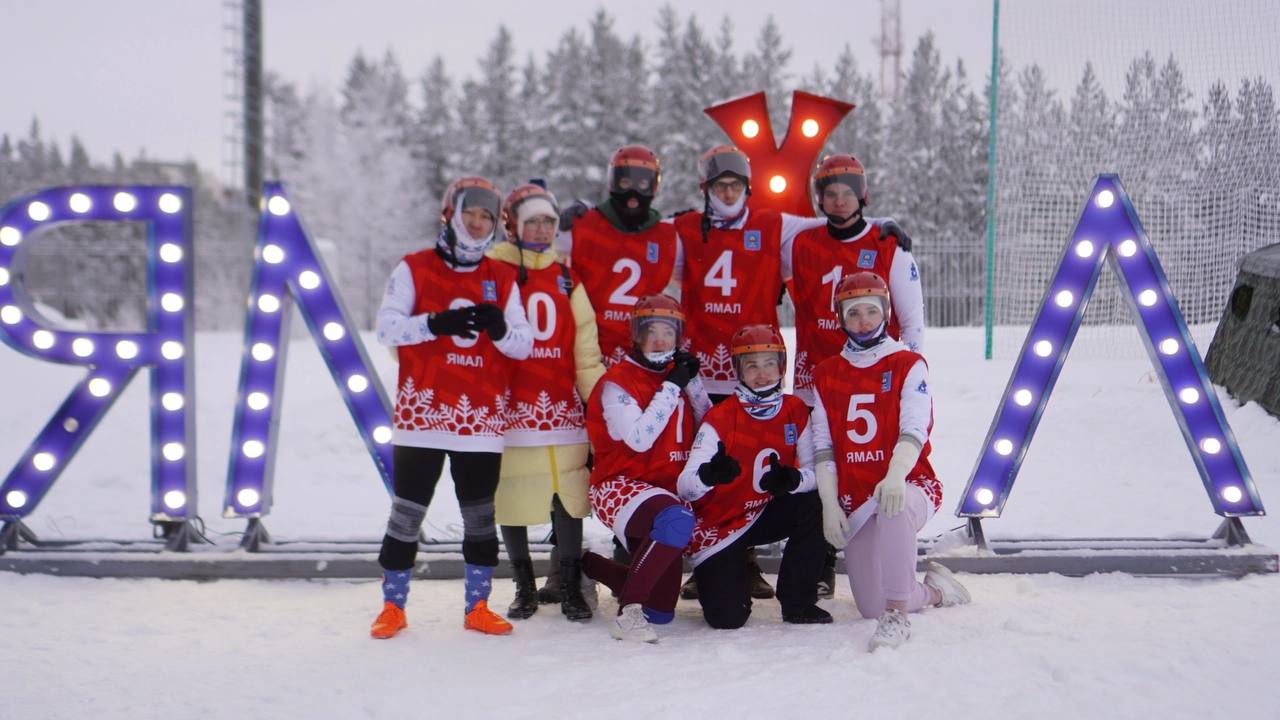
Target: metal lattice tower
x: 242, y: 93
x: 889, y: 43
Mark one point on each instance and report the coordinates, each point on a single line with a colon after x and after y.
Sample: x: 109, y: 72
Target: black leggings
x: 475, y: 480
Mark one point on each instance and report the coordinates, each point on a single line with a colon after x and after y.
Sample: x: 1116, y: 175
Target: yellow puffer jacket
x: 531, y: 475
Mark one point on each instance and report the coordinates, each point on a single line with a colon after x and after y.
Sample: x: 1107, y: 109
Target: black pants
x: 724, y: 586
x: 475, y: 480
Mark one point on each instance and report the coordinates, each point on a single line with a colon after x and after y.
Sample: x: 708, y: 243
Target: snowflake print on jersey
x: 718, y: 365
x: 932, y: 488
x: 415, y: 411
x: 546, y: 415
x: 615, y: 357
x: 804, y: 371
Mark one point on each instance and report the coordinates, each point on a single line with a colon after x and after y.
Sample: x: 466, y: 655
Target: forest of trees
x: 366, y: 163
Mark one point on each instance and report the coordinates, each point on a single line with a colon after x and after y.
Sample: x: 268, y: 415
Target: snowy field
x: 1108, y: 460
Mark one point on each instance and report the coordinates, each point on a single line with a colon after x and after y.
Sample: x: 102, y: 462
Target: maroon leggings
x: 653, y: 578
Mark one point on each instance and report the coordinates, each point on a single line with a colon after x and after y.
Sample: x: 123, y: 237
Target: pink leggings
x: 881, y: 558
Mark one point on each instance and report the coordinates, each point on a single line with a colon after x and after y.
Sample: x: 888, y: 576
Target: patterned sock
x: 478, y: 583
x: 395, y: 586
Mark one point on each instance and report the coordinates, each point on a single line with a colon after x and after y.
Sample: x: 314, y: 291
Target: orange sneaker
x: 390, y: 621
x: 486, y: 621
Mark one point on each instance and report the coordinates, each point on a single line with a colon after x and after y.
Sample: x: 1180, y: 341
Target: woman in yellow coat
x: 544, y: 462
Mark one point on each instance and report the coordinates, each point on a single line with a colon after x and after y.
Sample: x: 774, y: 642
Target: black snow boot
x: 572, y: 602
x: 812, y: 615
x: 827, y: 581
x: 525, y: 603
x: 549, y: 593
x: 760, y: 588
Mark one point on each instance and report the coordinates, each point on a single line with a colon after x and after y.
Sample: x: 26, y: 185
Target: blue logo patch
x: 789, y: 431
x: 651, y: 252
x: 565, y: 284
x: 867, y: 259
x: 751, y: 240
x: 923, y: 388
x: 489, y: 291
x: 915, y: 274
x: 886, y: 381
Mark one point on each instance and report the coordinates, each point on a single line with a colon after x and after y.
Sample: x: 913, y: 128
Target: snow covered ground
x: 1107, y: 461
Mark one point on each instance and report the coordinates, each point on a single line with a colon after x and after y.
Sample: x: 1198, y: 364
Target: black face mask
x: 629, y: 216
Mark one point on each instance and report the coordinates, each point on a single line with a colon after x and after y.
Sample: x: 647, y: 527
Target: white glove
x: 835, y: 524
x: 890, y: 493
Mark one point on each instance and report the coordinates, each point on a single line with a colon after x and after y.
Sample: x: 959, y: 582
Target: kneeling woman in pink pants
x: 871, y: 421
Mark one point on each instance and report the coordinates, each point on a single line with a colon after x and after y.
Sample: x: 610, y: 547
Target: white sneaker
x: 633, y: 625
x: 940, y: 578
x: 892, y: 630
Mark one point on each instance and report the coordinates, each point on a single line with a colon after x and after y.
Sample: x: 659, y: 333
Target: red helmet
x: 862, y: 284
x: 723, y: 160
x: 478, y: 193
x: 511, y: 208
x: 844, y: 169
x: 655, y: 308
x: 634, y: 167
x: 755, y: 339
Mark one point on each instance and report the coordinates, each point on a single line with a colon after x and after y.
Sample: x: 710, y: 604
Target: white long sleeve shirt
x: 640, y: 427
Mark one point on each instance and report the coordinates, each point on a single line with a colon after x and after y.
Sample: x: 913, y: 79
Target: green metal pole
x: 991, y: 171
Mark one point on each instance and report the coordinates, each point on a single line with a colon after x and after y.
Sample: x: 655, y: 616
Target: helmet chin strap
x: 763, y: 393
x: 869, y: 340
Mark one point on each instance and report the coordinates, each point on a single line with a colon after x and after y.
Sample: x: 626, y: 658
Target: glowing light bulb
x: 984, y: 496
x: 1043, y: 348
x: 258, y: 401
x: 169, y: 204
x: 333, y: 331
x: 38, y: 211
x: 15, y: 499
x: 10, y: 315
x: 1211, y: 446
x: 308, y: 280
x: 43, y: 461
x: 172, y: 401
x: 1128, y: 248
x: 99, y: 387
x: 4, y: 277
x: 1190, y: 396
x: 170, y: 253
x: 1232, y: 494
x: 253, y: 448
x: 174, y: 451
x: 273, y: 254
x: 1064, y: 299
x: 262, y: 352
x: 247, y: 497
x: 172, y: 350
x: 382, y: 434
x: 750, y: 128
x: 809, y: 128
x: 1147, y: 298
x: 79, y: 203
x: 42, y: 339
x: 82, y: 347
x: 127, y: 349
x: 10, y: 236
x: 1084, y: 249
x: 268, y: 303
x: 777, y: 183
x: 175, y: 499
x: 1105, y: 199
x: 278, y: 205
x: 1168, y: 346
x: 124, y: 202
x: 1004, y: 446
x: 1022, y: 397
x: 171, y: 302
x: 357, y: 383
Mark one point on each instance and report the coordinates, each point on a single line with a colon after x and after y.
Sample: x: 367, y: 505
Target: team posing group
x: 559, y: 374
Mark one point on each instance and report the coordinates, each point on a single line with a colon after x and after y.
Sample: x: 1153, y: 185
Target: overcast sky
x: 134, y: 74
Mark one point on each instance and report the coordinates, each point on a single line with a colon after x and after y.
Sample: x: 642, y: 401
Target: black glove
x: 489, y: 317
x: 689, y: 360
x: 893, y: 230
x: 458, y: 321
x: 572, y: 212
x: 720, y: 469
x: 680, y: 373
x: 779, y: 479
